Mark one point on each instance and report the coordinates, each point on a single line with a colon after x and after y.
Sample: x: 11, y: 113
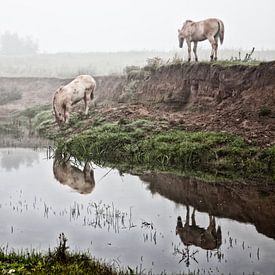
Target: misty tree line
x: 13, y: 44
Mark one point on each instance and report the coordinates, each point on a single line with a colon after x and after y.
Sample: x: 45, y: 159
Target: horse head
x: 180, y: 37
x: 58, y: 109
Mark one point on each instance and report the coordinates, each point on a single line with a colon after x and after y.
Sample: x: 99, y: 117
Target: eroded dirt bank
x: 198, y: 96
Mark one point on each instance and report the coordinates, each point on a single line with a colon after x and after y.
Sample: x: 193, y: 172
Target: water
x: 129, y: 220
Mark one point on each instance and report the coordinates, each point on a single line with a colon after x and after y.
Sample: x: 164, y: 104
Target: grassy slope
x: 155, y: 145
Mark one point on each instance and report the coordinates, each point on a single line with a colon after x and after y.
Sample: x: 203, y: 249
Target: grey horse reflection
x: 209, y: 238
x: 80, y: 180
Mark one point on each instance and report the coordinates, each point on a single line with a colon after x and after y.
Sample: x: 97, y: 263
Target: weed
x: 264, y: 111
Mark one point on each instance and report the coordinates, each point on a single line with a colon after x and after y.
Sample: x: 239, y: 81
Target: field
x: 68, y: 65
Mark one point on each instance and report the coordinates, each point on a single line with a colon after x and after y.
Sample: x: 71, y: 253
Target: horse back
x: 211, y: 26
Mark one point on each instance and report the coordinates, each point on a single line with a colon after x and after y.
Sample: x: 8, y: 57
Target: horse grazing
x: 81, y: 88
x: 209, y: 238
x: 210, y: 29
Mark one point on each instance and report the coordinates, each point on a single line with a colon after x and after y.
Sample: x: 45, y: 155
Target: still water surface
x: 129, y: 220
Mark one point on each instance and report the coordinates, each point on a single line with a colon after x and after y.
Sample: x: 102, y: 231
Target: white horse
x: 81, y: 88
x: 210, y: 29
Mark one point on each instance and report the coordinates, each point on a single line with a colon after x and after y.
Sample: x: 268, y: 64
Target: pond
x: 132, y: 220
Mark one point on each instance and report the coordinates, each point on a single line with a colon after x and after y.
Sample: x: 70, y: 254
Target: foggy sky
x: 124, y: 25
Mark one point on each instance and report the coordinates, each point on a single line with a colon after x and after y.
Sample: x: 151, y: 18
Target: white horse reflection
x: 80, y: 180
x: 209, y: 238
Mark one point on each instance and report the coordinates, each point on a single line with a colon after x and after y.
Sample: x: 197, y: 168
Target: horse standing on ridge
x: 81, y: 88
x: 210, y: 29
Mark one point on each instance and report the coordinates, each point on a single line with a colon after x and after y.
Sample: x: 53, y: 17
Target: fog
x: 123, y: 25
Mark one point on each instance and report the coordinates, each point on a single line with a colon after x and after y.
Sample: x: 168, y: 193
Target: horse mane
x: 188, y: 21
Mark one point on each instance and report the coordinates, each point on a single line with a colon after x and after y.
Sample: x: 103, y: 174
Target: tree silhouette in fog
x: 13, y: 44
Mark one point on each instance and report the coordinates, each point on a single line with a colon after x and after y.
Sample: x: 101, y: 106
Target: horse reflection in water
x: 209, y: 238
x: 80, y: 180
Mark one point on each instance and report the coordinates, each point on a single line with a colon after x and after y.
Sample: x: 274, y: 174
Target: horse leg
x: 213, y: 45
x: 67, y: 110
x: 87, y: 100
x: 195, y: 51
x: 216, y: 48
x: 187, y: 216
x: 189, y: 49
x: 193, y: 218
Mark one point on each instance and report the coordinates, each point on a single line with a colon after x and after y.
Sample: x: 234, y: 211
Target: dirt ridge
x: 199, y: 96
x: 203, y: 96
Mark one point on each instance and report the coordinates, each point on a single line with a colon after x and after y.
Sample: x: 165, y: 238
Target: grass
x: 58, y: 261
x: 155, y: 64
x: 61, y: 261
x: 142, y: 142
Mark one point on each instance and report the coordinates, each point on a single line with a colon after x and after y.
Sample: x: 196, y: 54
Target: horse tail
x: 221, y: 30
x: 93, y: 90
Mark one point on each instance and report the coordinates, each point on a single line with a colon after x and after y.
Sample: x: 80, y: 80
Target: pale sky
x: 124, y: 25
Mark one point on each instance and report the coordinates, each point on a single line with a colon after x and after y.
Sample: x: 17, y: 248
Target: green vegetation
x: 135, y: 73
x: 20, y: 123
x: 59, y: 261
x: 11, y: 127
x: 32, y: 112
x: 153, y: 146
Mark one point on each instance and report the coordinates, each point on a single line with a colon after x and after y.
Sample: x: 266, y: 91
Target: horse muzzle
x: 181, y: 42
